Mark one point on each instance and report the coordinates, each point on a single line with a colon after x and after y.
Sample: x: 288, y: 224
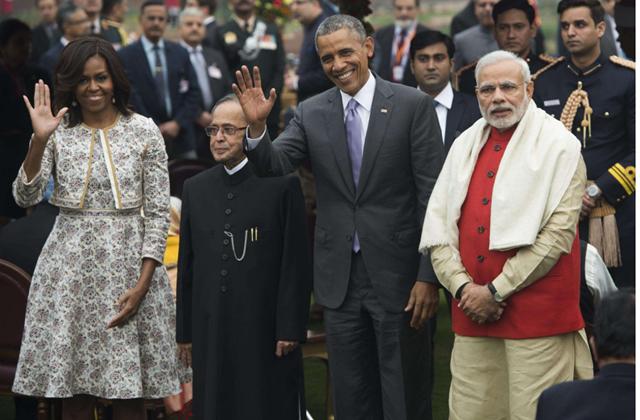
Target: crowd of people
x: 471, y: 162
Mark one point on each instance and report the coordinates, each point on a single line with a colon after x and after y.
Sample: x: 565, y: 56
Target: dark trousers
x: 380, y: 367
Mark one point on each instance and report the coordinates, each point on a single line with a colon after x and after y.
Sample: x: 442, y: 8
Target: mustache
x: 498, y: 108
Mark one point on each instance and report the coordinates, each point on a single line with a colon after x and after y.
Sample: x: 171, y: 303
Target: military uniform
x: 609, y: 140
x: 465, y: 80
x: 260, y: 45
x: 113, y: 32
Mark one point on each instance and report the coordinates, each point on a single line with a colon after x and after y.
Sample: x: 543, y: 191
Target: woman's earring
x: 113, y: 99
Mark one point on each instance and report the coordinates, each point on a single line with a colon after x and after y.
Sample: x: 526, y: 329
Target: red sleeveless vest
x: 549, y: 306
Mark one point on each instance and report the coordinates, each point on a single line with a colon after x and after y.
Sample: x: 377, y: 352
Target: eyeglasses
x: 227, y: 130
x: 488, y: 90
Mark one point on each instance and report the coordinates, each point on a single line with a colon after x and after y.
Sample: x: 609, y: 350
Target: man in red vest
x: 501, y: 230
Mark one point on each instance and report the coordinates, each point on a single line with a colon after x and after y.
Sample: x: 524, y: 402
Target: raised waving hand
x: 43, y: 121
x: 255, y: 106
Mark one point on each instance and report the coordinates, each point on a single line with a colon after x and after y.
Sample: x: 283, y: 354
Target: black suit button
x: 225, y: 257
x: 485, y: 201
x: 480, y: 258
x: 223, y: 289
x: 230, y: 196
x: 227, y: 226
x: 497, y: 147
x: 225, y: 241
x: 227, y: 212
x: 490, y: 174
x: 480, y: 229
x: 223, y: 272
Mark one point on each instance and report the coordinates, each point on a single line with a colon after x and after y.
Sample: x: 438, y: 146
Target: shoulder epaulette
x: 551, y: 64
x: 623, y: 62
x: 547, y: 58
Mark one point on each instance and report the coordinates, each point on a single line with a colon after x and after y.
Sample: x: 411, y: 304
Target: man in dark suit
x: 309, y: 78
x: 248, y: 40
x: 391, y: 60
x: 611, y: 394
x: 211, y: 70
x: 163, y: 83
x: 245, y: 322
x: 431, y: 59
x: 376, y: 150
x: 74, y: 23
x: 46, y: 34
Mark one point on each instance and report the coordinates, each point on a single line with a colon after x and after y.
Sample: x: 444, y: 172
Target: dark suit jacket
x: 610, y: 395
x: 384, y: 45
x: 50, y: 59
x: 463, y: 113
x: 21, y: 241
x: 211, y: 36
x: 40, y: 42
x: 183, y: 91
x: 219, y: 85
x: 403, y: 154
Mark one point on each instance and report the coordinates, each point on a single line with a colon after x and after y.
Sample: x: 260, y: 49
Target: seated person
x: 611, y: 394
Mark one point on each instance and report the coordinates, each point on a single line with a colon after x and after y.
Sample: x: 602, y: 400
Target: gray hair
x: 336, y: 22
x: 189, y: 12
x: 230, y: 97
x: 499, y: 56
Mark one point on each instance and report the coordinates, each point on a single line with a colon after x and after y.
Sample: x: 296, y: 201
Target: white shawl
x: 534, y: 173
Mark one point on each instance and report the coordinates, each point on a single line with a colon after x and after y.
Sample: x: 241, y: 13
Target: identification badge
x: 268, y: 42
x: 184, y: 86
x: 552, y: 102
x: 214, y: 72
x: 230, y: 38
x: 398, y: 73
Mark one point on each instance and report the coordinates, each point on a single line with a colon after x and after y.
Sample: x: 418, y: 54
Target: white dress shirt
x: 364, y: 98
x: 443, y: 103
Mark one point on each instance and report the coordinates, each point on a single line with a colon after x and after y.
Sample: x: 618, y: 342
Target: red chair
x: 182, y: 169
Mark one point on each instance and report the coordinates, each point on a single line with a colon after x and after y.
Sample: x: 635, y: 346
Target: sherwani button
x: 480, y: 229
x: 230, y: 196
x: 225, y: 241
x: 227, y: 226
x: 490, y: 174
x: 480, y: 258
x: 227, y: 212
x: 485, y: 201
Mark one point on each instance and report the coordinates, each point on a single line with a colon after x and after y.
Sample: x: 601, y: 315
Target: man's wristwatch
x: 494, y: 292
x: 594, y: 192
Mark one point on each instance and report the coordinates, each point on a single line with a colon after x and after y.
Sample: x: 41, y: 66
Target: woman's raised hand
x: 42, y: 119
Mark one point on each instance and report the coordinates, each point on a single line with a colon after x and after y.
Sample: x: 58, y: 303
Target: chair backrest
x: 14, y: 290
x: 182, y: 169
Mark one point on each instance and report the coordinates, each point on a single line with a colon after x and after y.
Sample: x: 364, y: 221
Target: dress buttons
x: 480, y: 229
x: 225, y: 257
x: 227, y: 212
x: 497, y: 147
x: 490, y: 174
x: 227, y: 226
x: 480, y: 258
x: 230, y: 196
x: 485, y: 201
x: 225, y: 241
x: 223, y: 272
x: 223, y: 289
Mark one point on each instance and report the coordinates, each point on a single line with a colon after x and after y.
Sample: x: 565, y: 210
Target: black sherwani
x: 233, y: 311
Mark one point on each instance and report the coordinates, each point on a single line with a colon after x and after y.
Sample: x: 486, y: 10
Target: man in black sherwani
x: 244, y: 280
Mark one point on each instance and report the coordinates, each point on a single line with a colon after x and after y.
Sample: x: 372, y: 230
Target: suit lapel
x: 453, y: 120
x: 146, y: 70
x: 381, y: 110
x: 334, y: 121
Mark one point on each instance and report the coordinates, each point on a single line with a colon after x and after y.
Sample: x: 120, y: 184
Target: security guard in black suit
x: 248, y: 40
x: 515, y: 31
x: 594, y: 96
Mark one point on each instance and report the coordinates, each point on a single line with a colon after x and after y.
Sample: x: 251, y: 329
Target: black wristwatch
x: 494, y: 292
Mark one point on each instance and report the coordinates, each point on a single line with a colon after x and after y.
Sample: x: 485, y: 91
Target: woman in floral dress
x: 100, y: 320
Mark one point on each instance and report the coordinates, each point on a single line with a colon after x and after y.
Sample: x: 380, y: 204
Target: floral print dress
x: 112, y: 188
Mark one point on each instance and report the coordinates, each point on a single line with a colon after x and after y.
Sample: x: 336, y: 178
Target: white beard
x: 505, y: 122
